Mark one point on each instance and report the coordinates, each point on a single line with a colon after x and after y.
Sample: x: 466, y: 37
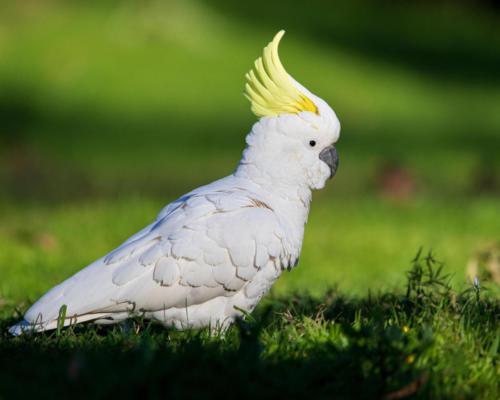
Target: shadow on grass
x: 414, y: 344
x: 45, y: 151
x: 450, y: 41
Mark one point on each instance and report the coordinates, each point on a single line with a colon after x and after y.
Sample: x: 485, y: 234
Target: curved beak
x: 330, y: 157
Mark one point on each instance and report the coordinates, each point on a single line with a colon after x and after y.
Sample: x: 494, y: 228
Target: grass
x: 428, y: 336
x: 110, y: 110
x: 424, y: 340
x: 359, y: 246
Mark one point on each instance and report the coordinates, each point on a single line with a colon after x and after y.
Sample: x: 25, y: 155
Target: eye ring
x: 312, y: 143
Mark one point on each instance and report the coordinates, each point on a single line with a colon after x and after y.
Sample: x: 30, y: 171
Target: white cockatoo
x: 212, y: 254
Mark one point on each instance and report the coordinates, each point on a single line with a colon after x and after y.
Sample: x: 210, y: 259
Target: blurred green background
x: 111, y: 109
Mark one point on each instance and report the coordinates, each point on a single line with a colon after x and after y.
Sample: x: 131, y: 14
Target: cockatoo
x: 212, y: 254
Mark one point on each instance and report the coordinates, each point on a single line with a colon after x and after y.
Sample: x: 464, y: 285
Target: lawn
x: 424, y: 340
x: 109, y: 110
x: 357, y: 246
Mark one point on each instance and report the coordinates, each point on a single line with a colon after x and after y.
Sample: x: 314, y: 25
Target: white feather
x: 215, y: 250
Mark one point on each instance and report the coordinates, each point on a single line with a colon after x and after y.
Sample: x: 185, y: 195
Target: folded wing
x: 201, y: 247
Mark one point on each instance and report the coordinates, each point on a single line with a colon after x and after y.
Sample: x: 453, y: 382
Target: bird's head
x: 293, y: 141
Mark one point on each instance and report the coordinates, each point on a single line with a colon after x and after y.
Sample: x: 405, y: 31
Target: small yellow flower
x: 410, y: 359
x: 406, y: 329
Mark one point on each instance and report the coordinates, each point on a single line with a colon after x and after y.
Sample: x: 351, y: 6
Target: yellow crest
x: 270, y: 89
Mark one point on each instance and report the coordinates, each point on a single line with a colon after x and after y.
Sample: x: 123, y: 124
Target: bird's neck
x: 300, y: 194
x: 284, y: 191
x: 291, y: 205
x: 265, y: 169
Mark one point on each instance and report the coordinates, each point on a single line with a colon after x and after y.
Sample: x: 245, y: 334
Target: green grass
x: 304, y: 338
x: 109, y: 110
x: 423, y: 340
x: 358, y: 245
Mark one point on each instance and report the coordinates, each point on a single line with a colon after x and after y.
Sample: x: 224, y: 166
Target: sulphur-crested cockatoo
x: 214, y: 252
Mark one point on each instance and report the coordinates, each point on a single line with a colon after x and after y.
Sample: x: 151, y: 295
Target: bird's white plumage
x: 218, y: 249
x: 211, y: 243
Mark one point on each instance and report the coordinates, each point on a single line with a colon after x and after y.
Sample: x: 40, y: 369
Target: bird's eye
x: 312, y: 143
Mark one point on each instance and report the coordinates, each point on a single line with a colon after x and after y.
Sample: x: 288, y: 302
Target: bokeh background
x: 111, y: 109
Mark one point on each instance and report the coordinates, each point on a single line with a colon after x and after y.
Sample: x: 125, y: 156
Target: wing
x: 201, y: 247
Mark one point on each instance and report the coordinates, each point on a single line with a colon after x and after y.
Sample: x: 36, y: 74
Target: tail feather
x: 26, y: 327
x: 22, y: 327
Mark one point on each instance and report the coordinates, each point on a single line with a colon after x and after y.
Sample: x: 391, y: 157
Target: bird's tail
x: 26, y: 326
x: 23, y: 327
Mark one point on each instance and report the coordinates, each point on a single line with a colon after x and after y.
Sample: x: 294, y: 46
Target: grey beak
x: 330, y: 157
